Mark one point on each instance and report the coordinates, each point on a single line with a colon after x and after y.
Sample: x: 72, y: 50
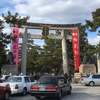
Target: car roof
x: 48, y: 76
x: 19, y: 76
x: 51, y: 76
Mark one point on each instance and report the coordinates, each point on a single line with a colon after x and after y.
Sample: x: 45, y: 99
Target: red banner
x: 15, y: 40
x: 75, y: 45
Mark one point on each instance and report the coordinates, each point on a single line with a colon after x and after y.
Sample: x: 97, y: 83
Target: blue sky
x: 54, y: 11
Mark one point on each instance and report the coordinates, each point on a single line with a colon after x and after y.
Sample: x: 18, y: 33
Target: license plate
x: 42, y: 89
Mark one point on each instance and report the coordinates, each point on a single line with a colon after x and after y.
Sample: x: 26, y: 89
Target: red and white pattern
x: 15, y: 43
x: 75, y: 45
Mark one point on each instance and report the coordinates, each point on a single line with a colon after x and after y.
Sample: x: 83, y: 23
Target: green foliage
x: 98, y: 48
x: 89, y: 57
x: 46, y: 59
x: 95, y: 23
x: 1, y: 24
x: 32, y: 57
x: 4, y: 40
x: 53, y: 54
x: 15, y: 19
x: 91, y: 49
x: 83, y: 42
x: 87, y: 50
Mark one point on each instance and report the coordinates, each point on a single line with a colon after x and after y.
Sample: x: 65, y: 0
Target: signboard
x: 75, y: 45
x: 15, y: 40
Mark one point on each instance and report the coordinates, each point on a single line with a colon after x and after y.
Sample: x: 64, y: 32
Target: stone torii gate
x: 40, y: 26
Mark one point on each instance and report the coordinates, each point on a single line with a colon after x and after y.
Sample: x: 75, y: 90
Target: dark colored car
x: 4, y: 92
x: 51, y: 86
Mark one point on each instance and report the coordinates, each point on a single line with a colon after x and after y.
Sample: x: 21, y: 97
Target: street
x: 78, y: 93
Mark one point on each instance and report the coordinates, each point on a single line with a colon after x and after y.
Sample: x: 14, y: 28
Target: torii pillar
x: 24, y: 52
x: 64, y: 54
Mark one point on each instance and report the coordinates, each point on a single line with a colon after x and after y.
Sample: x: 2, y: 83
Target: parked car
x: 91, y: 80
x: 33, y: 80
x: 51, y: 86
x: 19, y: 84
x: 4, y: 92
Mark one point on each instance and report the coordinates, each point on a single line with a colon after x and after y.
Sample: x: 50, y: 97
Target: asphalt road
x: 78, y: 93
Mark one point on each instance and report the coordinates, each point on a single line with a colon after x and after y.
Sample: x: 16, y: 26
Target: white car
x: 4, y: 77
x: 19, y: 84
x: 93, y: 79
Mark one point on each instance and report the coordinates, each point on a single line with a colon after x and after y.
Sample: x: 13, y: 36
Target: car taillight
x: 34, y: 88
x: 16, y: 86
x: 51, y: 88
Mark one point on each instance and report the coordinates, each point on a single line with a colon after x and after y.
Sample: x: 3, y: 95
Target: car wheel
x: 91, y: 83
x: 69, y: 92
x: 24, y: 91
x: 85, y: 84
x: 6, y: 96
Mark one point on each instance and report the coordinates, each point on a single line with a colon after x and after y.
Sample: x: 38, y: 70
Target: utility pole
x: 24, y: 52
x: 64, y: 53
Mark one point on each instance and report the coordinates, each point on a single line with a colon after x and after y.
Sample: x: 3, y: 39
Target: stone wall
x: 6, y: 69
x: 87, y: 68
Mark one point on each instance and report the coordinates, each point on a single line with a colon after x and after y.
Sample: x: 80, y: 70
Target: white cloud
x: 21, y: 8
x: 18, y: 1
x: 56, y: 11
x: 94, y: 40
x: 1, y: 18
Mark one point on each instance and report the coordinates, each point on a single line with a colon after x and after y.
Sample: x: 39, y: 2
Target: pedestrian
x: 66, y: 75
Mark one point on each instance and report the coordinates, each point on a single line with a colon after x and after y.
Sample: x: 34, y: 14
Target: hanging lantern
x: 45, y: 31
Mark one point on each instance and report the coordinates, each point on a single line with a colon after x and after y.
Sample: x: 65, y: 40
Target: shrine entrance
x: 46, y: 29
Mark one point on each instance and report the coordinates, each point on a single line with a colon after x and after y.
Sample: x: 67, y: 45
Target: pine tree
x: 15, y: 19
x: 4, y: 40
x: 95, y: 23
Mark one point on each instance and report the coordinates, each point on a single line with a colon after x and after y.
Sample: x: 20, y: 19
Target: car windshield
x: 14, y: 79
x: 47, y: 80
